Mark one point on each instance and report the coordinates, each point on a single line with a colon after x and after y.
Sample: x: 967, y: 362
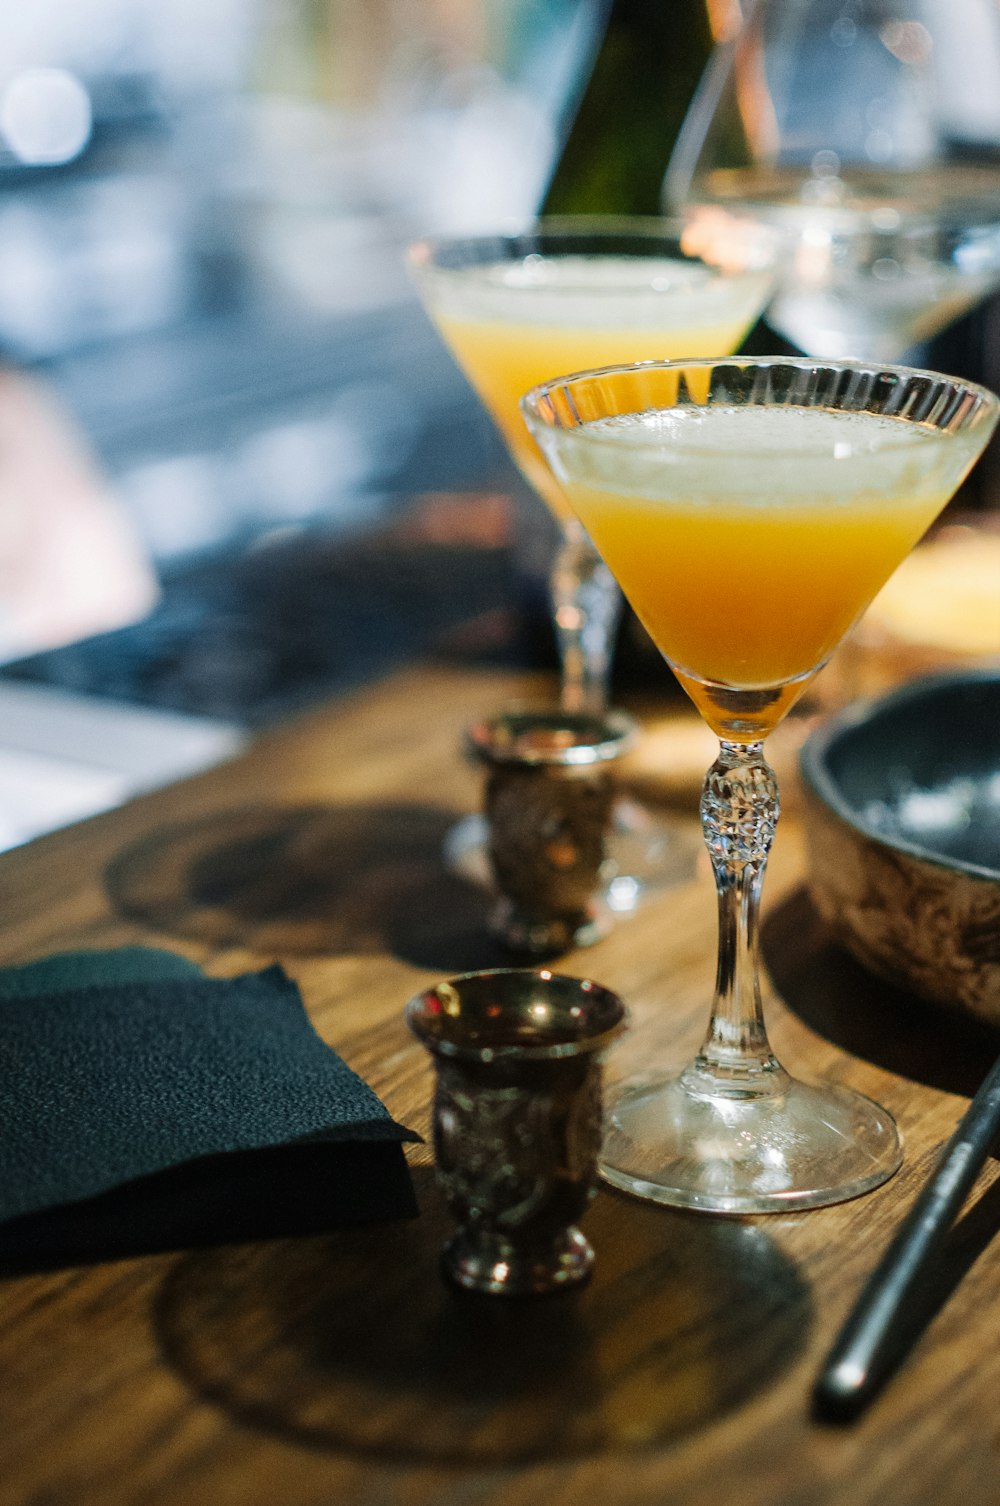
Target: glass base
x: 483, y: 1261
x: 531, y: 937
x: 746, y: 1152
x: 647, y: 853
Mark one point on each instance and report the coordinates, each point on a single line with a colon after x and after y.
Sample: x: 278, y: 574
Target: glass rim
x: 986, y: 410
x: 611, y: 1017
x: 516, y: 240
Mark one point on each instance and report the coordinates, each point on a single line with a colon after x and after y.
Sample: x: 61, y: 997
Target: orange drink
x: 513, y: 324
x: 749, y: 540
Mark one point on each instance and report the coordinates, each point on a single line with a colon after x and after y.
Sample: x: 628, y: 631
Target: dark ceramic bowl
x: 902, y: 800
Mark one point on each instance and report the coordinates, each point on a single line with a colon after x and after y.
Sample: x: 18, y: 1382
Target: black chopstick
x: 867, y: 1346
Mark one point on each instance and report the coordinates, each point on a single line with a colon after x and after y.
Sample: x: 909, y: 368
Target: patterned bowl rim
x: 815, y: 765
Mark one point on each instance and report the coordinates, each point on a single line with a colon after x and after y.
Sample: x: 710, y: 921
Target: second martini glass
x: 560, y: 295
x: 751, y: 509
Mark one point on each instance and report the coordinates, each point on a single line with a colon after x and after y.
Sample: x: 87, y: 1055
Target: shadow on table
x: 354, y: 1343
x: 845, y: 1003
x: 310, y: 879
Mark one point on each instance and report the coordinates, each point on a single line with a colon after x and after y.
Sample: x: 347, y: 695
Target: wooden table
x: 340, y: 1369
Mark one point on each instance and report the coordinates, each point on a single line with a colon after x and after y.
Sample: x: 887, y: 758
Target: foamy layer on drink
x: 759, y: 455
x: 612, y: 292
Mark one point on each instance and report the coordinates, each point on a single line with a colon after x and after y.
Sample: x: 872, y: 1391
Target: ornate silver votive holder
x: 547, y: 803
x: 517, y: 1120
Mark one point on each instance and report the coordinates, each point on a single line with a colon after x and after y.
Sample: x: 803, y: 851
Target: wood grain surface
x: 340, y: 1369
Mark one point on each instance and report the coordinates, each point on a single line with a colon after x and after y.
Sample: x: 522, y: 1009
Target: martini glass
x: 517, y: 309
x: 750, y: 510
x: 868, y: 137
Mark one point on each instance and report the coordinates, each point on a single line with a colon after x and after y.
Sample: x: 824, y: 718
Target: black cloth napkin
x: 145, y: 1106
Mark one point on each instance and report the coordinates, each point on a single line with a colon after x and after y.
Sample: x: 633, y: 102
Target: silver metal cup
x: 548, y: 803
x: 517, y: 1120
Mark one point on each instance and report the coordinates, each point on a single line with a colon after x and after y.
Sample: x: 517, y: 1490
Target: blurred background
x: 238, y: 471
x: 203, y: 210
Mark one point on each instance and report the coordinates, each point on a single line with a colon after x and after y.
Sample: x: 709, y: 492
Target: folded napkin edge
x: 218, y: 1199
x: 216, y: 1162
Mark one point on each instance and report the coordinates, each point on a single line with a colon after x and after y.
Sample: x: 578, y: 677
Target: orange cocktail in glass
x: 751, y: 509
x: 517, y: 309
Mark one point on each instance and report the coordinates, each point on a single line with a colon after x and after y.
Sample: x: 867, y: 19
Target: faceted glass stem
x: 586, y: 605
x: 733, y: 1133
x: 739, y: 812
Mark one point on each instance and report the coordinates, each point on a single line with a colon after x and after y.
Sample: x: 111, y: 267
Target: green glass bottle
x: 650, y: 56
